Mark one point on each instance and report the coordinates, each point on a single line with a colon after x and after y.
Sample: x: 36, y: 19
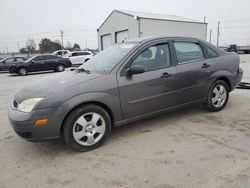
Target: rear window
x: 51, y: 57
x: 211, y: 53
x: 188, y: 51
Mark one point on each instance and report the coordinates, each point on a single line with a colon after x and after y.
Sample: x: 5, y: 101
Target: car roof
x: 80, y: 51
x: 151, y: 38
x: 45, y: 55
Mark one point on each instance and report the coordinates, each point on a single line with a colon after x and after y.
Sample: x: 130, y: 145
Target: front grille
x: 15, y: 104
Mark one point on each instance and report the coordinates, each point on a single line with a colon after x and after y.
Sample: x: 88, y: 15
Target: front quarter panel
x: 109, y: 100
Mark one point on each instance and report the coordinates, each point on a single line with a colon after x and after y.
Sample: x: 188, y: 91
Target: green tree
x: 76, y: 47
x: 48, y: 46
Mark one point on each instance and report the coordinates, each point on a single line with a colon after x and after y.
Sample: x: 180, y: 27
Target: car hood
x: 55, y: 83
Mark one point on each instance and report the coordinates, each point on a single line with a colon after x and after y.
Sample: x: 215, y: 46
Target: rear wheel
x: 86, y: 127
x: 217, y: 96
x: 59, y: 68
x: 22, y: 71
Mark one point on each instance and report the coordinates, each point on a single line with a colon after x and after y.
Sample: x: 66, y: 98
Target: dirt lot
x: 187, y: 148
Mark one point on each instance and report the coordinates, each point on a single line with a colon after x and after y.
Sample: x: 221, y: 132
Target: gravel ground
x: 186, y: 148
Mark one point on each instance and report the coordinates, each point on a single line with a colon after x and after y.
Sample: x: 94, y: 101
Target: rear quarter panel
x: 225, y: 66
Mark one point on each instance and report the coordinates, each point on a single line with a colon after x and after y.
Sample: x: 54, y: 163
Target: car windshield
x: 106, y: 60
x: 1, y: 60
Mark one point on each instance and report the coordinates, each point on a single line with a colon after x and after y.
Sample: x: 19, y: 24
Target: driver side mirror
x: 135, y: 70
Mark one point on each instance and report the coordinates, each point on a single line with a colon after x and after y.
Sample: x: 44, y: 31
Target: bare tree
x: 30, y: 46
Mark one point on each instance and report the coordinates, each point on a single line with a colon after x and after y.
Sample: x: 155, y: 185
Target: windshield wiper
x: 82, y: 70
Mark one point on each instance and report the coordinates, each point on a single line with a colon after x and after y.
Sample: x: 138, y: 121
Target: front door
x: 37, y: 64
x: 152, y: 91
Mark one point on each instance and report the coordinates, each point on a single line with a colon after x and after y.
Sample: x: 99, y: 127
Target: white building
x: 122, y: 25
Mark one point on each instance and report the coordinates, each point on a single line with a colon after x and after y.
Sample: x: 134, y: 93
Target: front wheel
x: 218, y: 96
x: 86, y: 127
x: 22, y: 71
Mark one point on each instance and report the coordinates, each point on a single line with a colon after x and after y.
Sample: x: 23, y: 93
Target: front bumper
x: 24, y: 124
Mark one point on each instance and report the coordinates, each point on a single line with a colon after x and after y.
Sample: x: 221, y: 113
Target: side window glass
x: 10, y: 60
x: 74, y: 54
x: 153, y: 58
x: 39, y: 58
x: 211, y: 53
x: 188, y: 51
x: 49, y: 57
x: 19, y: 60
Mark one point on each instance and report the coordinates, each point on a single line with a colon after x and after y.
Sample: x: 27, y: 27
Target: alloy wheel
x: 89, y: 129
x: 219, y: 96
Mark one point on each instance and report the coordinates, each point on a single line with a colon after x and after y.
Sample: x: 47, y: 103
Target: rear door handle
x: 165, y: 75
x: 205, y: 65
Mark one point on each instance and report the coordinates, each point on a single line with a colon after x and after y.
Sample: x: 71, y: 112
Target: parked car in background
x: 60, y: 53
x: 7, y: 62
x: 126, y: 82
x: 40, y: 63
x: 78, y: 57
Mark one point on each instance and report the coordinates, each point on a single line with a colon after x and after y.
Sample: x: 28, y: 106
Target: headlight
x: 28, y: 105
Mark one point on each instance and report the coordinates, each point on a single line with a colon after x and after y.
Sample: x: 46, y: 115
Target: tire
x: 86, y: 127
x: 60, y: 68
x: 22, y: 71
x: 216, y: 102
x: 86, y: 60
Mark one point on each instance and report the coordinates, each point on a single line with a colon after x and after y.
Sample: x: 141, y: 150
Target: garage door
x: 121, y: 36
x: 106, y: 41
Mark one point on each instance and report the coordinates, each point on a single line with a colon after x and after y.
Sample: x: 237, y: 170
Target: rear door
x: 76, y: 58
x: 50, y: 62
x: 155, y: 89
x: 193, y: 70
x: 8, y: 62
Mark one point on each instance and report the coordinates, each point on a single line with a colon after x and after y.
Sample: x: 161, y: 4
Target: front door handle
x: 205, y: 65
x: 165, y: 75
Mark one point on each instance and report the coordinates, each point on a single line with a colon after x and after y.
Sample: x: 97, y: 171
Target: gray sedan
x: 126, y: 82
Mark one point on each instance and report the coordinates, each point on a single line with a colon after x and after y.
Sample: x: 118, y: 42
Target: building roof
x: 155, y: 16
x: 158, y: 16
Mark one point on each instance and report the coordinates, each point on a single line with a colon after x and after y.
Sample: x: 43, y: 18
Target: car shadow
x: 4, y: 72
x: 139, y: 127
x: 33, y: 73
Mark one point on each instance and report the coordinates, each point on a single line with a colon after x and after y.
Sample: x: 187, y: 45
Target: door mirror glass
x: 135, y: 70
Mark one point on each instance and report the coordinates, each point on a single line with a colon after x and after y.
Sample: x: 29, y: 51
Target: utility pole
x: 210, y: 36
x: 218, y: 34
x: 205, y: 18
x: 18, y: 47
x: 86, y: 44
x: 62, y: 35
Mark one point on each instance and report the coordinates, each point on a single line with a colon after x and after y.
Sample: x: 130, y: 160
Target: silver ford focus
x: 124, y: 83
